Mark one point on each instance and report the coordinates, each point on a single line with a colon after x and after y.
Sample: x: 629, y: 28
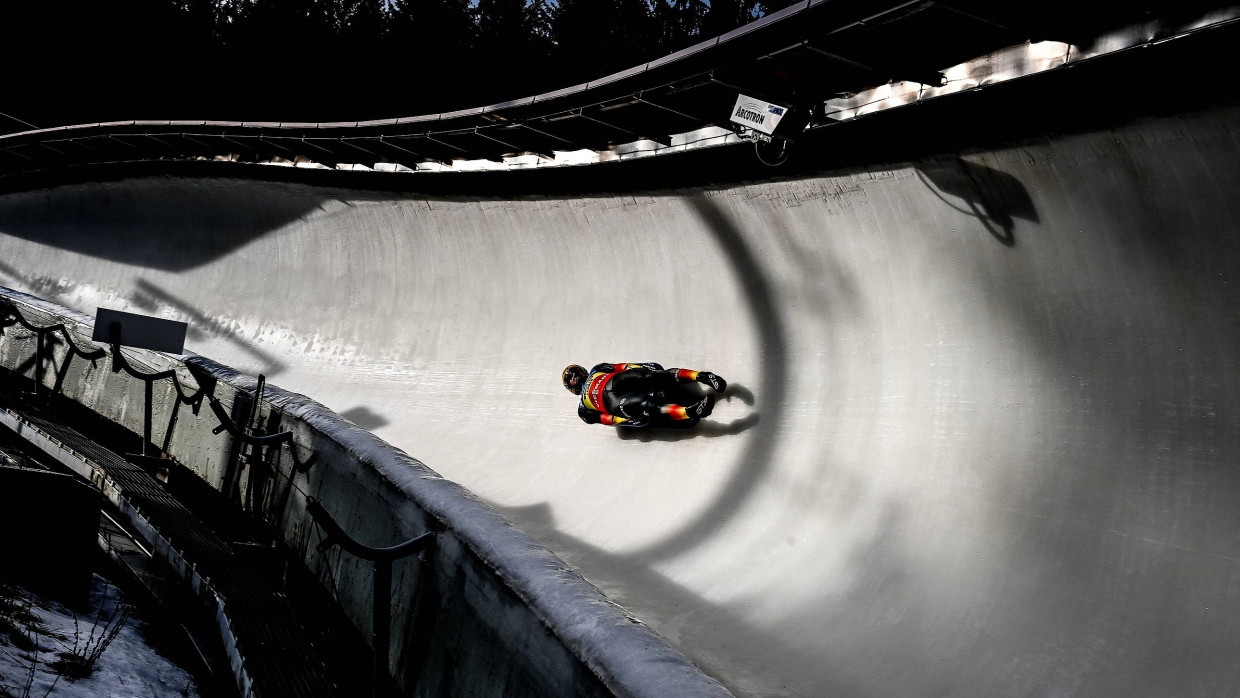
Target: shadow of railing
x: 245, y: 433
x: 148, y: 295
x: 995, y: 198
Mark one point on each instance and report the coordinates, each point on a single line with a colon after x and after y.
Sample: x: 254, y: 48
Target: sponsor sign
x: 756, y: 114
x: 140, y: 331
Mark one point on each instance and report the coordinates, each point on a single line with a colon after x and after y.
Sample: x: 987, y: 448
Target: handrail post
x: 381, y: 632
x: 381, y: 603
x: 147, y: 417
x: 118, y: 361
x: 38, y: 362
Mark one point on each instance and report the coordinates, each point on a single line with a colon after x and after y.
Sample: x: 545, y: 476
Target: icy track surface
x: 982, y: 432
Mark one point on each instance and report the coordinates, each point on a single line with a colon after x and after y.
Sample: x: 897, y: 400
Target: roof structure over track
x: 804, y: 57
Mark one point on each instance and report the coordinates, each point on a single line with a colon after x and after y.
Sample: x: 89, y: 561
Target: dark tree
x: 766, y: 7
x: 502, y: 25
x: 363, y: 24
x: 542, y: 20
x: 73, y: 61
x: 726, y: 15
x: 430, y: 47
x: 593, y: 39
x: 93, y: 60
x: 439, y: 31
x: 679, y: 23
x: 512, y: 54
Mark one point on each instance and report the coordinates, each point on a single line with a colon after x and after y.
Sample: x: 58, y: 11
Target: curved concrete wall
x: 486, y: 612
x: 983, y: 426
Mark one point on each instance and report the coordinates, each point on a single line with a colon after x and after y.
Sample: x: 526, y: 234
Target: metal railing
x: 248, y: 434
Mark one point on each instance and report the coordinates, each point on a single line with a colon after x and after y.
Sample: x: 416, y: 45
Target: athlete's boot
x: 714, y: 381
x: 702, y: 408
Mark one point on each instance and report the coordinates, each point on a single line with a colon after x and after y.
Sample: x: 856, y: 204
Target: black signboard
x: 141, y: 331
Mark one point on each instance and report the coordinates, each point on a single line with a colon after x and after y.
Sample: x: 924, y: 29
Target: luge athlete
x: 640, y: 394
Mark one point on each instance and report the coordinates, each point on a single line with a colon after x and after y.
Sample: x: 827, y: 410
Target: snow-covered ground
x: 35, y: 633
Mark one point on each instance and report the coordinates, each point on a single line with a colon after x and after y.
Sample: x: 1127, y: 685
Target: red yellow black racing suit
x: 637, y: 395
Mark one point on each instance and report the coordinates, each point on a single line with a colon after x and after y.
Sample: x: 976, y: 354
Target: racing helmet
x: 574, y: 377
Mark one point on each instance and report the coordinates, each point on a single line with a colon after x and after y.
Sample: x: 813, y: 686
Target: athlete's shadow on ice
x: 708, y: 428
